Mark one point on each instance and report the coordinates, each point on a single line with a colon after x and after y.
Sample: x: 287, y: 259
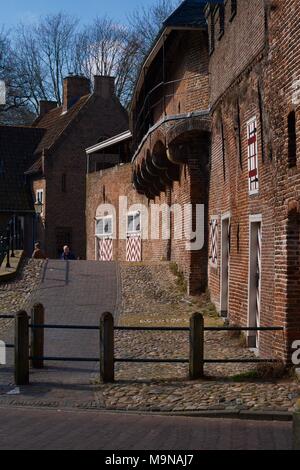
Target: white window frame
x: 38, y: 194
x: 38, y: 198
x: 252, y: 159
x: 135, y: 231
x: 214, y: 240
x: 108, y: 234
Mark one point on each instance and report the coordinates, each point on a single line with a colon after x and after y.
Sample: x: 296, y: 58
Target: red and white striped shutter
x: 214, y: 241
x: 252, y: 156
x: 134, y: 248
x: 105, y: 249
x: 134, y: 238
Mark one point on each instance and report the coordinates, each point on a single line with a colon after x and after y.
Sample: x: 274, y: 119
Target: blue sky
x: 14, y: 11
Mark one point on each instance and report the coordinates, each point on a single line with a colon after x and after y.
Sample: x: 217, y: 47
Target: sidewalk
x: 76, y: 292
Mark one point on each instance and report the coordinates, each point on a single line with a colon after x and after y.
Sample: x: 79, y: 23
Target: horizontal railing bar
x: 155, y: 328
x: 6, y: 317
x: 10, y: 346
x: 64, y: 327
x: 158, y: 361
x: 151, y: 328
x: 238, y: 361
x: 64, y: 359
x: 242, y: 328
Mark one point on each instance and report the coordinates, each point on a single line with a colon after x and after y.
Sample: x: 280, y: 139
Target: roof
x: 17, y: 147
x: 123, y: 137
x: 37, y: 167
x: 189, y: 13
x: 56, y: 122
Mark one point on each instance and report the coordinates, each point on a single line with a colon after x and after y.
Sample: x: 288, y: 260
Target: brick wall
x: 282, y: 93
x: 65, y: 209
x: 107, y: 186
x: 244, y: 37
x: 238, y: 88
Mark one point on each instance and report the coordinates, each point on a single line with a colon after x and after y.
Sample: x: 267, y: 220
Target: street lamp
x: 38, y: 207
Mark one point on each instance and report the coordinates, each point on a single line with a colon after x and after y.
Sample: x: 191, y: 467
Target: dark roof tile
x: 17, y: 147
x: 56, y: 122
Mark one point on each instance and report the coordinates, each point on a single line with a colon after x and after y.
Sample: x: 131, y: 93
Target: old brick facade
x: 60, y: 162
x: 215, y: 121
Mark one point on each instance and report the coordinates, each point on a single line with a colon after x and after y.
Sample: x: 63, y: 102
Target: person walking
x: 67, y: 254
x: 38, y: 253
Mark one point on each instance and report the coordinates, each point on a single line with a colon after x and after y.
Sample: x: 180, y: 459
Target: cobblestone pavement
x: 15, y: 295
x: 149, y: 298
x: 80, y: 291
x: 87, y: 430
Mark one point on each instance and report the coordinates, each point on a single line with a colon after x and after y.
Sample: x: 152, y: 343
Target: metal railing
x: 166, y: 98
x: 11, y: 239
x: 107, y: 358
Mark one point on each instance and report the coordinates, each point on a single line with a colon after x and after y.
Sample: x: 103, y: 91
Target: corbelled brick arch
x: 188, y: 146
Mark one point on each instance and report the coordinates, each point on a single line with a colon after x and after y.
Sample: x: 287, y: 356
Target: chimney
x: 74, y: 88
x: 46, y: 106
x: 104, y: 86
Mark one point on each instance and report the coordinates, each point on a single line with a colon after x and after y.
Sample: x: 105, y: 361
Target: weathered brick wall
x: 282, y: 95
x: 243, y: 38
x: 67, y: 209
x: 229, y: 193
x: 237, y: 71
x: 186, y: 78
x: 106, y: 187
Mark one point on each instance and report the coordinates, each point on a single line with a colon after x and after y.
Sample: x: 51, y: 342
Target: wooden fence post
x: 296, y: 427
x: 37, y: 336
x: 21, y: 349
x: 107, y: 363
x: 196, y: 346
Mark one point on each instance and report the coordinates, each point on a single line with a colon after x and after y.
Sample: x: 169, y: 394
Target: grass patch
x: 250, y: 375
x: 180, y: 281
x: 263, y: 371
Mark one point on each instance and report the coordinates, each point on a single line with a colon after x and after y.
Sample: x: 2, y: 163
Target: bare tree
x: 16, y: 110
x: 34, y: 63
x: 106, y: 48
x: 55, y: 35
x: 43, y: 56
x: 146, y: 22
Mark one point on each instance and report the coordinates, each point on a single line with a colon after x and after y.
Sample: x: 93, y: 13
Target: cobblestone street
x: 151, y: 295
x: 15, y: 295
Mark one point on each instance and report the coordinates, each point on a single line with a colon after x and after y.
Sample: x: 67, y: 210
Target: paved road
x: 74, y: 292
x: 41, y: 429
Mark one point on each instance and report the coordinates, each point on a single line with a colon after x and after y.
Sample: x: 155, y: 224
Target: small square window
x: 40, y: 196
x: 104, y: 226
x: 134, y: 222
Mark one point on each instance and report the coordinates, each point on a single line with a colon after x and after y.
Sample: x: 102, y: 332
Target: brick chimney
x: 46, y: 106
x: 104, y: 86
x: 74, y: 88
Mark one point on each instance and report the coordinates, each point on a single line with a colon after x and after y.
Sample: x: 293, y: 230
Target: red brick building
x: 47, y: 163
x: 169, y: 112
x: 214, y: 121
x: 58, y: 173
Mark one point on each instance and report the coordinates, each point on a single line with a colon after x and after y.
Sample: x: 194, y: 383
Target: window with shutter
x: 252, y: 156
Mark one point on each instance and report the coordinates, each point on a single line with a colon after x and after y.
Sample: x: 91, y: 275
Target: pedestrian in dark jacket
x: 38, y: 253
x: 67, y: 254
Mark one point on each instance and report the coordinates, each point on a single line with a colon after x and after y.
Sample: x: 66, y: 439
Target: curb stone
x: 242, y: 415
